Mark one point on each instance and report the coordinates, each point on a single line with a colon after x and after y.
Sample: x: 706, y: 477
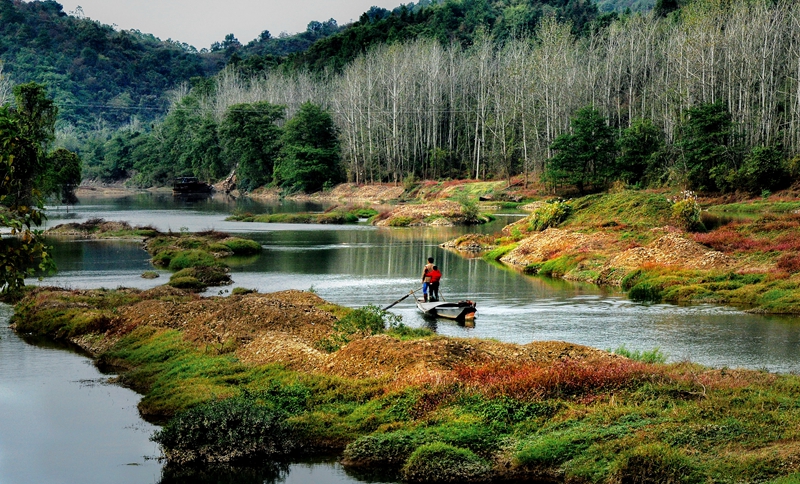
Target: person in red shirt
x: 434, y: 285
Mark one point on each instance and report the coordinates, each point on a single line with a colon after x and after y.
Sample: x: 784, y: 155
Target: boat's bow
x: 451, y: 310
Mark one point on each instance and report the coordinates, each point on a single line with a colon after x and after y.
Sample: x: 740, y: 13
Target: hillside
x: 96, y: 73
x: 459, y: 21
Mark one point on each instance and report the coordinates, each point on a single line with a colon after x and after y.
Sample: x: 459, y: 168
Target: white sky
x: 203, y: 22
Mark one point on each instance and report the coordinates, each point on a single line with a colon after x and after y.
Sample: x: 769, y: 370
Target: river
x: 349, y: 265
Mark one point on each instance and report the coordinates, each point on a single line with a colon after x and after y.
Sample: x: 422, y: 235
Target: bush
x: 686, y: 212
x: 550, y: 215
x: 646, y: 292
x: 439, y: 462
x: 382, y: 449
x: 242, y: 246
x: 400, y: 221
x: 210, y: 276
x: 244, y: 427
x: 188, y: 283
x: 469, y: 207
x: 365, y: 321
x: 657, y: 464
x: 190, y: 258
x: 653, y: 356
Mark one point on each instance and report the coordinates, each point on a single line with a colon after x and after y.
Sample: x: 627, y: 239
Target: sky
x: 203, y: 22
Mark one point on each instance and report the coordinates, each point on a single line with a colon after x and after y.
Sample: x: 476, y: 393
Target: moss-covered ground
x: 335, y: 215
x: 628, y: 238
x: 588, y: 417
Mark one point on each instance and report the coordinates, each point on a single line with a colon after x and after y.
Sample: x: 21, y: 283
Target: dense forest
x: 99, y: 75
x: 704, y: 95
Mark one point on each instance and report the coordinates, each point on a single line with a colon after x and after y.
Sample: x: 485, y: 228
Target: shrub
x: 150, y: 275
x: 469, y: 207
x: 391, y: 449
x: 400, y: 221
x: 242, y: 246
x: 365, y: 212
x: 657, y: 464
x: 653, y: 356
x: 365, y: 321
x: 439, y: 462
x: 188, y: 283
x: 241, y: 291
x: 686, y: 213
x: 190, y: 258
x: 646, y: 292
x: 244, y: 427
x: 210, y: 276
x: 550, y: 215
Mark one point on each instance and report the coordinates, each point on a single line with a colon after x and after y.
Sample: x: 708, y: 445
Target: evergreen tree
x: 638, y: 147
x: 584, y: 157
x: 250, y: 139
x: 704, y: 139
x: 309, y: 157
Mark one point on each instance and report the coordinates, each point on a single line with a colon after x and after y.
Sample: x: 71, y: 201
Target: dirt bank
x: 288, y: 327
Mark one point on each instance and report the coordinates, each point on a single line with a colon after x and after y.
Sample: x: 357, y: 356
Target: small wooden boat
x: 459, y: 311
x: 189, y: 185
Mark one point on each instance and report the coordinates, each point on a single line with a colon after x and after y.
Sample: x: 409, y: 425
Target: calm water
x: 352, y: 266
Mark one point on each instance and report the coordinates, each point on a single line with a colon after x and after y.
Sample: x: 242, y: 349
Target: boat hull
x: 460, y: 311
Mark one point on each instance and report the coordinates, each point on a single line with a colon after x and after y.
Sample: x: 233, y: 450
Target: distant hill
x: 448, y: 21
x: 622, y: 5
x: 95, y: 72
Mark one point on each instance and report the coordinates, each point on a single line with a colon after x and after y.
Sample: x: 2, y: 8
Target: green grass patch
x: 400, y: 221
x: 608, y: 421
x: 440, y: 462
x: 652, y: 356
x: 628, y: 208
x: 497, y: 253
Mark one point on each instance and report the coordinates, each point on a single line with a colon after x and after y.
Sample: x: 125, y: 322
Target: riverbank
x: 197, y: 260
x: 657, y: 248
x: 289, y: 373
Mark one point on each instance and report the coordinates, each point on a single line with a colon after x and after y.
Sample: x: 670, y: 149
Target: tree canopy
x: 27, y: 175
x: 309, y: 158
x: 584, y: 157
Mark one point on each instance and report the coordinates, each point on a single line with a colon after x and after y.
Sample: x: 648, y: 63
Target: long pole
x: 402, y: 298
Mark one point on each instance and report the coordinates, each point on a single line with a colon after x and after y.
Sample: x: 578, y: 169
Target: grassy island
x: 657, y: 248
x: 420, y: 213
x: 260, y: 376
x: 197, y: 259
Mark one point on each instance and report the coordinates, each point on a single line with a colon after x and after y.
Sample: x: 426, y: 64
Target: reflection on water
x: 46, y: 409
x: 357, y: 266
x: 63, y: 422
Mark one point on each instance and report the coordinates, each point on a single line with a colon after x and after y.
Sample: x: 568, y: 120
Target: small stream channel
x: 61, y: 421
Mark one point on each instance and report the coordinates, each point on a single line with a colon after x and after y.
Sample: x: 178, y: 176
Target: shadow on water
x: 321, y: 470
x: 713, y: 220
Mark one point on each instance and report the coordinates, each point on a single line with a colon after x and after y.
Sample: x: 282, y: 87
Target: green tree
x: 665, y: 7
x: 62, y: 175
x: 250, y: 139
x: 24, y: 132
x: 638, y: 148
x: 704, y: 146
x: 763, y: 169
x: 585, y: 156
x: 309, y: 156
